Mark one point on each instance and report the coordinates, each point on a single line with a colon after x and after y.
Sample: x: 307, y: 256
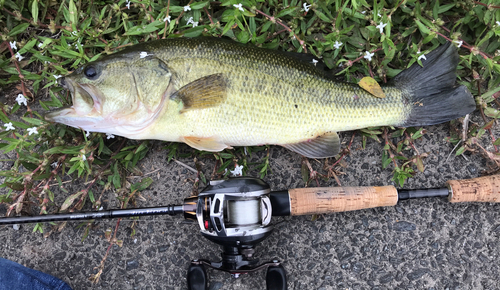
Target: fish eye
x: 90, y: 72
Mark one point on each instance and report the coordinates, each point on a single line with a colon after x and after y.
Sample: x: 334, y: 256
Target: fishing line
x: 243, y: 212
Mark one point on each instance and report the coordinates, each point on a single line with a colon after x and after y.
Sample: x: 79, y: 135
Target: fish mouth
x: 69, y: 116
x: 68, y: 84
x: 57, y: 114
x: 85, y: 111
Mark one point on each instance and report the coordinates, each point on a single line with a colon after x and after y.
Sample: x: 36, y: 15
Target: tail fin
x: 432, y: 91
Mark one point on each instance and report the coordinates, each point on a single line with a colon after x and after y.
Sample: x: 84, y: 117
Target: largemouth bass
x: 213, y: 94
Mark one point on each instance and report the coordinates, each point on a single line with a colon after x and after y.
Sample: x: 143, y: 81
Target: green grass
x: 54, y: 39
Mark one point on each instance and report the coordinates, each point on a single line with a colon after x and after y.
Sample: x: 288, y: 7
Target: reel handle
x: 481, y: 189
x: 321, y: 200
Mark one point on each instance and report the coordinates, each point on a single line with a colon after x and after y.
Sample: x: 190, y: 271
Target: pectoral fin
x: 210, y: 144
x: 323, y: 146
x: 202, y: 93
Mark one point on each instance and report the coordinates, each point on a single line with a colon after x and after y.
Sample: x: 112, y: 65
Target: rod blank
x: 118, y: 213
x: 421, y: 193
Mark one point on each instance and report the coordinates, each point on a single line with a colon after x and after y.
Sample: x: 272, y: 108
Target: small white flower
x: 187, y: 8
x: 16, y: 227
x: 87, y: 134
x: 74, y: 33
x: 144, y: 54
x: 422, y: 56
x: 378, y: 14
x: 9, y: 126
x: 57, y: 76
x: 381, y: 27
x: 32, y: 131
x: 191, y: 21
x: 135, y: 241
x: 13, y: 45
x: 84, y: 157
x: 337, y: 44
x: 101, y: 208
x: 239, y: 6
x: 19, y: 56
x: 306, y: 7
x: 21, y: 99
x: 40, y: 45
x: 498, y: 23
x: 314, y: 62
x: 109, y: 136
x: 459, y: 42
x: 167, y: 19
x: 238, y: 170
x: 363, y: 12
x: 54, y: 165
x: 368, y: 55
x: 128, y: 5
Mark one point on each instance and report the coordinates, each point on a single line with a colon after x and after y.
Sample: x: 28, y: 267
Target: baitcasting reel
x: 235, y: 214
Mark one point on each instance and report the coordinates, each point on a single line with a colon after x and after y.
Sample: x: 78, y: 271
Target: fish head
x: 119, y: 94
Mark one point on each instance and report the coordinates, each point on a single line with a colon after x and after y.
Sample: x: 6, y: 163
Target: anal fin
x: 323, y: 146
x: 210, y: 144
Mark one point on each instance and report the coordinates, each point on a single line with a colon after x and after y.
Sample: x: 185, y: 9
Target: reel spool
x: 235, y: 214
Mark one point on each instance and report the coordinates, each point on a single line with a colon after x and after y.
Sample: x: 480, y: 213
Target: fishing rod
x: 236, y: 214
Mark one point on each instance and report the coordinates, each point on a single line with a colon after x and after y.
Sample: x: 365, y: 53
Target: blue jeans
x: 16, y: 276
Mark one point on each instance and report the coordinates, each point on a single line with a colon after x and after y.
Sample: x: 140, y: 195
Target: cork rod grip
x: 304, y: 201
x: 481, y: 189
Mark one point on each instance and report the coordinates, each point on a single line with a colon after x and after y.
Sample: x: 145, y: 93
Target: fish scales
x: 213, y: 94
x: 273, y: 93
